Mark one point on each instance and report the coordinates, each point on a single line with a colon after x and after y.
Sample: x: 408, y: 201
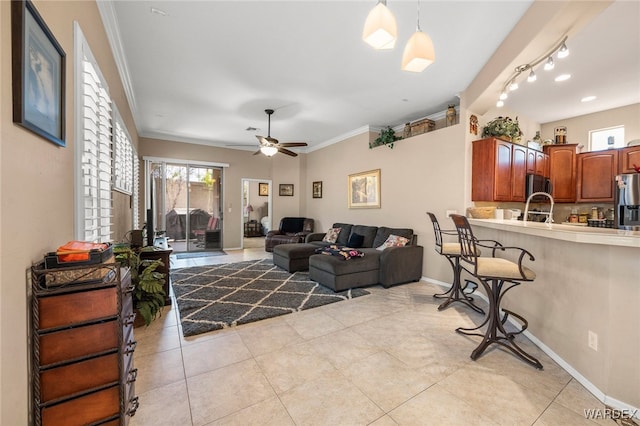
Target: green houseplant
x: 501, y: 128
x: 148, y: 292
x: 387, y: 137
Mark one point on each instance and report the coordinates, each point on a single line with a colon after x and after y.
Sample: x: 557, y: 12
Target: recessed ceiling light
x: 588, y: 99
x: 159, y: 12
x: 563, y: 77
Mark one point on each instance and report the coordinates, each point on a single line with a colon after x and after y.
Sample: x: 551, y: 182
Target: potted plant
x: 387, y: 137
x: 148, y: 292
x: 503, y: 128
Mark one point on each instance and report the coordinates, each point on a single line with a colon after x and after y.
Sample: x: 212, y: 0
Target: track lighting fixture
x: 511, y: 83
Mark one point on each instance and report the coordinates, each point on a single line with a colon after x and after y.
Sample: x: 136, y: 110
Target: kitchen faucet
x: 549, y: 214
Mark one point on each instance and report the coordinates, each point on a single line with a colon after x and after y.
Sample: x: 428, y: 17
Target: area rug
x: 219, y: 296
x: 197, y: 254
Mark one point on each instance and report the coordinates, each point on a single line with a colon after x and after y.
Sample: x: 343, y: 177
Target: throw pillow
x: 393, y: 241
x: 355, y: 241
x: 331, y: 236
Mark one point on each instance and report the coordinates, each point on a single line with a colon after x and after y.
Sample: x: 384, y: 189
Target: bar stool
x: 497, y: 276
x: 451, y: 252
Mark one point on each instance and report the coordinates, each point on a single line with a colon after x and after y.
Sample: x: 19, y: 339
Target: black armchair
x: 291, y: 230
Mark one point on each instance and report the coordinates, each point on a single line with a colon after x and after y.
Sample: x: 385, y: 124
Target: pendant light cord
x: 418, y: 18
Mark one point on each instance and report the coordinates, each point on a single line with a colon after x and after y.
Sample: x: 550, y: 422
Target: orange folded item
x: 75, y: 251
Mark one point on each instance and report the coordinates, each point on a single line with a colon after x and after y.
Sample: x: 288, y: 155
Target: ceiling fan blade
x: 286, y: 151
x: 272, y: 140
x: 262, y: 140
x: 257, y: 152
x: 290, y: 144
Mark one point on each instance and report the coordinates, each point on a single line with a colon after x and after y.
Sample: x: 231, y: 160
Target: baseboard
x: 601, y: 396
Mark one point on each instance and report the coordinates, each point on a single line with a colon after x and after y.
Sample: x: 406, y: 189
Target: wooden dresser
x: 82, y: 345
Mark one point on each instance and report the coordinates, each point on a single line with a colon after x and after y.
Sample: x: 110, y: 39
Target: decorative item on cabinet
x: 560, y: 134
x: 503, y: 128
x: 80, y: 326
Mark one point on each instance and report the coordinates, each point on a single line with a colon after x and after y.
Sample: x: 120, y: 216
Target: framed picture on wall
x: 316, y: 189
x: 263, y: 189
x: 38, y: 73
x: 286, y: 190
x: 364, y: 190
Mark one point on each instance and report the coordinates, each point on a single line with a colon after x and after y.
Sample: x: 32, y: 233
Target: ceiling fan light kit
x: 380, y: 31
x: 270, y: 146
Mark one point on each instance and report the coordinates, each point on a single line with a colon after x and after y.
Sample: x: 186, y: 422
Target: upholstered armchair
x: 291, y: 230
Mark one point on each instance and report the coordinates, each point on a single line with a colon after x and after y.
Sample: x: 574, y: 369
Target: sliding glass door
x: 186, y: 204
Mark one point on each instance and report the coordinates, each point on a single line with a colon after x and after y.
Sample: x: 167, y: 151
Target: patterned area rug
x: 218, y: 296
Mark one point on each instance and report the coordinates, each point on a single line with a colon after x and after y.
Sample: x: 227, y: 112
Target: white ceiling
x: 206, y: 70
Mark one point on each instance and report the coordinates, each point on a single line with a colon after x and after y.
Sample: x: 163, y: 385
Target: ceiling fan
x: 270, y: 146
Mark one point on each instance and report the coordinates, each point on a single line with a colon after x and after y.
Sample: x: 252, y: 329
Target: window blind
x: 122, y: 157
x: 96, y: 158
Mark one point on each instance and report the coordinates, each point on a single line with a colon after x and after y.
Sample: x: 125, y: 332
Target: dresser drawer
x: 78, y: 377
x: 78, y: 342
x: 73, y: 308
x: 86, y: 409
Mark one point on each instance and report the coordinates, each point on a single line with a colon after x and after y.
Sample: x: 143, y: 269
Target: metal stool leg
x: 456, y: 292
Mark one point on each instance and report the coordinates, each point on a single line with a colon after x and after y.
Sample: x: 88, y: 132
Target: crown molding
x: 110, y: 23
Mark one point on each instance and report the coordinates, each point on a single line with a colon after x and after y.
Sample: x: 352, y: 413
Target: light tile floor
x: 389, y: 358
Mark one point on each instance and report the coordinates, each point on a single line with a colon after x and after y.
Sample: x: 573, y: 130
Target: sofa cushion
x: 393, y: 241
x: 368, y: 232
x: 342, y: 253
x: 384, y: 232
x: 345, y: 232
x: 355, y: 240
x: 331, y: 236
x: 335, y: 266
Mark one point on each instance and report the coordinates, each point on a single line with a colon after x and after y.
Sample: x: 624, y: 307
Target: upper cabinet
x: 627, y: 157
x: 500, y: 168
x: 562, y: 172
x: 595, y: 175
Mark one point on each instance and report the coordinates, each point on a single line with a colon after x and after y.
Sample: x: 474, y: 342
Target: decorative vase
x: 451, y: 115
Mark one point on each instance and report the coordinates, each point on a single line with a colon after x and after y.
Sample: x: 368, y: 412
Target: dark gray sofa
x: 391, y: 266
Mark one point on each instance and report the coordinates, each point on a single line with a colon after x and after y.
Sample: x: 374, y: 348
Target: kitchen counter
x: 587, y: 281
x: 571, y: 233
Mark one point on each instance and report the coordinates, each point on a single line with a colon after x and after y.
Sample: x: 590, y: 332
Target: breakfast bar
x: 583, y: 306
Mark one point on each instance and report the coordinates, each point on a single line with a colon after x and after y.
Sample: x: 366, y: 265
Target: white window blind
x: 135, y: 197
x: 122, y: 157
x: 95, y: 154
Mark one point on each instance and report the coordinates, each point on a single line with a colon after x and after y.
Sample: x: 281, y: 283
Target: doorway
x: 256, y: 212
x: 186, y: 205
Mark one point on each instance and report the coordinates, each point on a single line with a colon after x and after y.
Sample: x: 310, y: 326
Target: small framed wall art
x: 38, y: 74
x: 316, y: 189
x: 364, y: 190
x: 263, y: 189
x: 286, y: 190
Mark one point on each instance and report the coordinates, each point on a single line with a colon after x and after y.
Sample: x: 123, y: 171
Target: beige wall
x: 578, y: 127
x: 37, y: 190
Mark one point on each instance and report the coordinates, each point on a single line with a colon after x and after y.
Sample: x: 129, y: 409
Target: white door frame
x: 269, y: 204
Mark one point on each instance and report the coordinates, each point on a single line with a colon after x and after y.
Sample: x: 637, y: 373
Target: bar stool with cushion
x: 497, y: 276
x: 451, y: 252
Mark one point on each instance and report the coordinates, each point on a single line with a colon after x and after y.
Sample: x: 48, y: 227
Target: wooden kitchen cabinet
x: 542, y: 164
x: 518, y: 172
x: 491, y: 173
x: 82, y: 345
x: 531, y: 161
x: 562, y: 171
x: 595, y: 175
x: 627, y: 157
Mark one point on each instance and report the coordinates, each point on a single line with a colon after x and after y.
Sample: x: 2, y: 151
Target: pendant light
x: 418, y: 53
x: 380, y: 29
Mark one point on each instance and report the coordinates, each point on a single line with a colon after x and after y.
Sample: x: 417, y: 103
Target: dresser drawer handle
x: 133, y: 406
x: 131, y: 346
x: 130, y: 319
x: 133, y: 375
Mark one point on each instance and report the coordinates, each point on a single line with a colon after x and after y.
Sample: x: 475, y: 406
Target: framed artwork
x: 263, y: 189
x: 286, y: 190
x: 316, y: 189
x: 38, y: 74
x: 364, y: 190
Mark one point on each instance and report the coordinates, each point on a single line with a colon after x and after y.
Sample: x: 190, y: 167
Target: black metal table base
x: 457, y: 293
x: 495, y: 331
